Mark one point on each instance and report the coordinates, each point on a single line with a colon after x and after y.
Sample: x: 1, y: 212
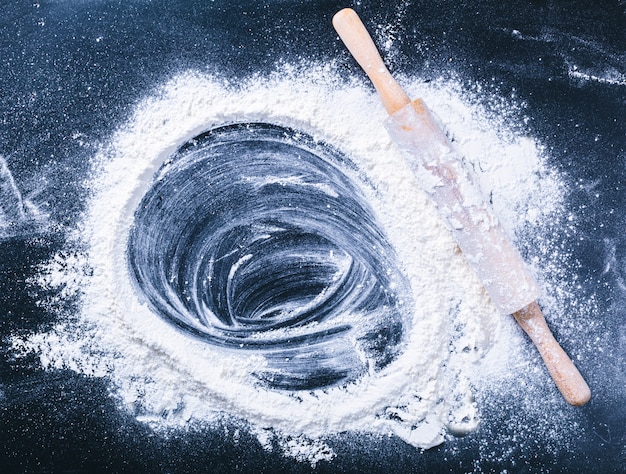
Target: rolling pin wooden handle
x: 358, y: 41
x: 563, y: 371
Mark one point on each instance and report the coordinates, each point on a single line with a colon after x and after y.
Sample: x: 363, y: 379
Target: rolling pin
x: 443, y: 176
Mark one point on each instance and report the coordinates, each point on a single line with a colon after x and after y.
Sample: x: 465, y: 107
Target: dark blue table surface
x: 56, y: 79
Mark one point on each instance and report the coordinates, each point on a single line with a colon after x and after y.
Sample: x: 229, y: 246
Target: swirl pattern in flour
x: 258, y: 239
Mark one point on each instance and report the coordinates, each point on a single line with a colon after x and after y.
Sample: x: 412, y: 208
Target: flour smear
x: 170, y: 380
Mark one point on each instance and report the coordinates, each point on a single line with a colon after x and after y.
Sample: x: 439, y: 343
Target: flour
x: 168, y: 380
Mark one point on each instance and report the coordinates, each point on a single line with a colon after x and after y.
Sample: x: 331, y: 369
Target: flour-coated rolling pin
x: 443, y: 176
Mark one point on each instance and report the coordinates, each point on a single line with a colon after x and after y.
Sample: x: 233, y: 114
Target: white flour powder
x: 168, y: 379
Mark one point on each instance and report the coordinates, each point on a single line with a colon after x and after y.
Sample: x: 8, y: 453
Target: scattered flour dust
x: 169, y: 380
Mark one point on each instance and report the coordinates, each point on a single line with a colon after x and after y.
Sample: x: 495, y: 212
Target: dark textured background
x: 78, y: 67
